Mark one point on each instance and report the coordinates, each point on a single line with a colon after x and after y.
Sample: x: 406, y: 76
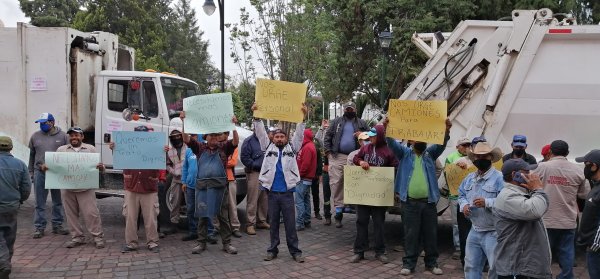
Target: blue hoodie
x: 189, y: 171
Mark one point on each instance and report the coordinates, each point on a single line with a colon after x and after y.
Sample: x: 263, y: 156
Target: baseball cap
x: 462, y: 141
x: 477, y: 140
x: 372, y: 132
x: 44, y: 117
x: 545, y: 150
x: 559, y: 147
x: 349, y: 105
x: 278, y: 131
x: 519, y: 140
x: 592, y: 157
x: 516, y: 165
x: 363, y: 136
x: 6, y: 143
x: 74, y: 130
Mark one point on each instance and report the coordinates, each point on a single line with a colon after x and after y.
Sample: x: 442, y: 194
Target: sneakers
x: 250, y: 230
x: 201, y: 247
x: 298, y: 258
x: 263, y: 226
x: 189, y: 237
x: 236, y: 233
x: 382, y: 258
x: 100, y: 244
x: 318, y: 216
x: 60, y: 230
x: 38, y: 233
x: 327, y: 222
x: 405, y: 271
x: 456, y: 255
x: 356, y: 258
x: 435, y: 270
x: 128, y: 248
x: 74, y: 243
x: 229, y: 249
x: 270, y: 257
x: 338, y: 223
x: 154, y: 249
x: 299, y: 229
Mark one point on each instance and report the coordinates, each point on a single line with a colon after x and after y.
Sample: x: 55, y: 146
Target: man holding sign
x: 417, y: 188
x: 375, y: 154
x: 81, y: 202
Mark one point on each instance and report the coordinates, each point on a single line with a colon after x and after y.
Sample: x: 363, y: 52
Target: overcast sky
x: 10, y: 14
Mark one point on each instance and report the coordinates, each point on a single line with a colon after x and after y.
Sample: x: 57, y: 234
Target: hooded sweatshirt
x: 378, y: 154
x: 307, y: 157
x: 41, y: 142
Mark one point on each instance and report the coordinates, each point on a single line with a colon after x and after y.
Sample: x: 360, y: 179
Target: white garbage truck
x: 86, y: 80
x: 537, y: 75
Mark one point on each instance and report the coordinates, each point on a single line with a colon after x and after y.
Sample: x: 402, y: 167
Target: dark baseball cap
x: 75, y: 130
x: 477, y: 140
x: 519, y: 140
x: 559, y: 147
x: 516, y: 165
x: 592, y: 157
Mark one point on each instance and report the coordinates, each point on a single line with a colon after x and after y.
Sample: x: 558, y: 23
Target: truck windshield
x: 175, y: 90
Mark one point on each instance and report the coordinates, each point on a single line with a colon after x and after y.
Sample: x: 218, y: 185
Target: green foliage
x: 50, y: 13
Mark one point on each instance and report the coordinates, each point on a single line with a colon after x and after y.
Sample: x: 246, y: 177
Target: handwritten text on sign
x: 373, y: 187
x: 417, y: 120
x: 280, y: 100
x: 210, y: 113
x: 72, y: 170
x: 455, y: 175
x: 139, y: 150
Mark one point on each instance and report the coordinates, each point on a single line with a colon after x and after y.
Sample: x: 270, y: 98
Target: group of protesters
x: 511, y: 221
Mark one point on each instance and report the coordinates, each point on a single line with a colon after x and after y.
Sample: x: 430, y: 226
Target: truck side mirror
x: 128, y: 114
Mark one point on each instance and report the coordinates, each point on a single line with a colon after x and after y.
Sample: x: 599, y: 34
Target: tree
x: 51, y: 13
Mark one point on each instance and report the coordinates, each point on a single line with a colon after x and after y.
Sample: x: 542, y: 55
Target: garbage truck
x: 86, y: 80
x: 536, y: 75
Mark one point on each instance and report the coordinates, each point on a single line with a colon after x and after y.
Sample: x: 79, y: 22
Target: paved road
x: 327, y: 251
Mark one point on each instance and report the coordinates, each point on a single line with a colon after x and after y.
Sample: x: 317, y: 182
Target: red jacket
x: 307, y: 157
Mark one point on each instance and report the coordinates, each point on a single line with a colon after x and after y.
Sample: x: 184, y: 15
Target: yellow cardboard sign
x: 373, y: 187
x: 417, y: 120
x: 280, y: 100
x: 455, y: 175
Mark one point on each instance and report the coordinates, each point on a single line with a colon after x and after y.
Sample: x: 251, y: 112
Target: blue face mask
x: 366, y: 142
x: 45, y: 127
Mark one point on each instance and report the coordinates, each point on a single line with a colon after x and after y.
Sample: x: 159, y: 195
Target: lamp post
x: 209, y: 8
x: 385, y: 39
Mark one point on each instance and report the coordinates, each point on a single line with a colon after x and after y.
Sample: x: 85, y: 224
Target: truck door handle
x: 106, y: 138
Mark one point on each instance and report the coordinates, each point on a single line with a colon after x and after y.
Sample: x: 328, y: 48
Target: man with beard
x: 417, y: 188
x: 375, y: 154
x: 339, y: 141
x: 519, y: 145
x: 49, y: 138
x: 279, y: 176
x: 175, y: 158
x: 211, y: 186
x: 589, y: 228
x: 477, y: 194
x: 81, y: 202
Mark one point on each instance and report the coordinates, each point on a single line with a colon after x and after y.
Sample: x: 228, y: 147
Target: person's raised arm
x: 436, y: 150
x: 236, y: 137
x: 260, y: 131
x: 299, y: 133
x: 396, y: 148
x: 186, y: 137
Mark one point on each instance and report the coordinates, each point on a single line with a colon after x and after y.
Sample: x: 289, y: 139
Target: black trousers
x: 326, y: 196
x: 420, y: 221
x: 283, y: 204
x: 464, y: 226
x: 314, y: 188
x: 363, y: 214
x: 8, y: 235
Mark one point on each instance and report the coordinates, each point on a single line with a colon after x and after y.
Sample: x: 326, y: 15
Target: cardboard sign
x: 72, y: 170
x: 455, y: 175
x: 417, y: 120
x: 280, y: 100
x: 373, y: 187
x: 139, y: 150
x: 210, y: 113
x: 19, y: 150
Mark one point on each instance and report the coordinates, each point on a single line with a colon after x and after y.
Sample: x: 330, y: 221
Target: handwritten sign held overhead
x: 19, y: 150
x: 417, y: 120
x: 72, y: 170
x: 210, y: 113
x: 139, y: 150
x: 373, y: 187
x: 280, y: 100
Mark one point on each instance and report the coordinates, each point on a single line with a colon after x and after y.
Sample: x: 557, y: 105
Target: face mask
x: 519, y: 152
x: 45, y: 127
x: 482, y: 164
x: 366, y: 142
x: 588, y: 173
x: 349, y: 114
x: 177, y: 142
x: 420, y: 146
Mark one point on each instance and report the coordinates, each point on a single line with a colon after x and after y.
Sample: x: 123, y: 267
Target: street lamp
x: 209, y: 8
x: 385, y: 39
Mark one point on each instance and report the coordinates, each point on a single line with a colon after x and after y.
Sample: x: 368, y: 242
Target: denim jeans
x: 302, y: 200
x: 420, y: 221
x: 563, y: 246
x: 41, y: 196
x: 190, y: 200
x: 464, y: 227
x: 282, y: 204
x: 480, y: 246
x: 593, y: 264
x: 454, y: 213
x: 8, y: 235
